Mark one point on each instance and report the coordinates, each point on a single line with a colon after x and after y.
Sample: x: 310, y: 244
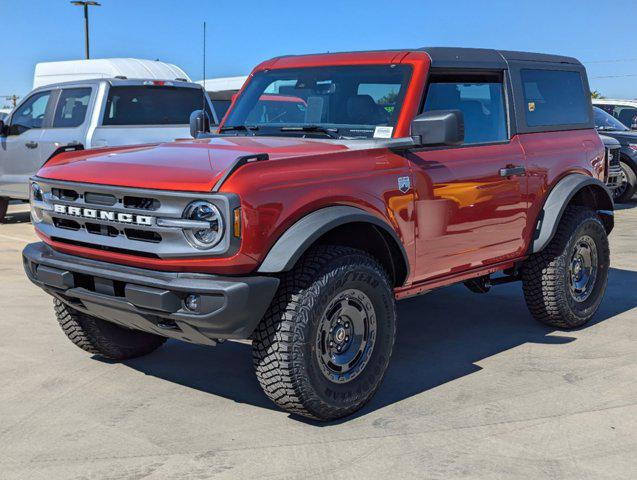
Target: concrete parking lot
x: 476, y: 389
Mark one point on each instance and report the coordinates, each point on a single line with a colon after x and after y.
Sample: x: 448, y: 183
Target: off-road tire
x: 545, y: 275
x: 284, y: 347
x: 103, y: 338
x: 631, y: 184
x: 4, y: 205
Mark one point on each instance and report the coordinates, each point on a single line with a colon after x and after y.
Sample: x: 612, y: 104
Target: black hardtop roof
x: 455, y: 57
x: 482, y: 57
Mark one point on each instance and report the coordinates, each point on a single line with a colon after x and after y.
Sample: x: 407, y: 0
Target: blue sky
x: 243, y: 33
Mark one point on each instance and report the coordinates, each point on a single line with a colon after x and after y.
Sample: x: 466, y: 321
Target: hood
x: 623, y: 137
x: 194, y: 165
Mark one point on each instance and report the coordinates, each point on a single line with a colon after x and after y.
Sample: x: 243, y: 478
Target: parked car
x: 609, y: 126
x: 88, y: 114
x: 397, y: 173
x: 623, y: 110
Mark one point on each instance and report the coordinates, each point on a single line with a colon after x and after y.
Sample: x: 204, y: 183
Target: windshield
x: 340, y: 102
x: 606, y: 122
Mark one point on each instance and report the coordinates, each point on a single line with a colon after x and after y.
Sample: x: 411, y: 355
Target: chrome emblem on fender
x: 404, y: 184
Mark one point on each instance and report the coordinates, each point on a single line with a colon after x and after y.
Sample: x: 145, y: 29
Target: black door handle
x: 512, y: 170
x: 31, y: 144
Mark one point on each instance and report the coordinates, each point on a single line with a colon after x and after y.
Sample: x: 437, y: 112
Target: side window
x: 71, y: 107
x: 626, y: 115
x: 479, y: 98
x: 554, y: 97
x: 30, y: 114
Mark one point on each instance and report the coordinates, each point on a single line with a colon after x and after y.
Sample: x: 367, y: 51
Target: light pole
x: 86, y: 4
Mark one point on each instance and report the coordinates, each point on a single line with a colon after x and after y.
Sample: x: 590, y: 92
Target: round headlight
x: 36, y: 192
x: 204, y: 238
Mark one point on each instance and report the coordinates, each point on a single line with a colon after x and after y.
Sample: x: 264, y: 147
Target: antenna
x: 205, y: 92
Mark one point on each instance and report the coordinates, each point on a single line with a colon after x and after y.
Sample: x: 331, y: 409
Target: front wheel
x: 103, y: 338
x: 323, y: 347
x: 626, y: 189
x: 565, y: 283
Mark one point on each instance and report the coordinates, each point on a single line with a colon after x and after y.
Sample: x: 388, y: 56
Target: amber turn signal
x: 237, y: 222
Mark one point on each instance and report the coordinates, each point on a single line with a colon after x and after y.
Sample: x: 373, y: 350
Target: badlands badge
x: 404, y: 184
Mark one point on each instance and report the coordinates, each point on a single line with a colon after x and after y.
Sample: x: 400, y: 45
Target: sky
x: 242, y: 33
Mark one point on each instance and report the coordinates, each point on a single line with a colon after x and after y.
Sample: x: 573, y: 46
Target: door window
x: 480, y: 99
x: 626, y: 115
x: 71, y: 107
x: 30, y: 114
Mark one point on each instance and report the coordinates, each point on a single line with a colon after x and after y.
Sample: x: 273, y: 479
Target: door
x: 69, y: 122
x: 470, y: 200
x: 19, y: 150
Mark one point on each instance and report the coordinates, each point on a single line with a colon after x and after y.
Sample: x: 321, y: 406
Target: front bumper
x: 153, y: 301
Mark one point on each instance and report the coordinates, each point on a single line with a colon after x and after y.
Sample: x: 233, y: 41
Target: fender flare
x: 557, y: 201
x: 299, y: 237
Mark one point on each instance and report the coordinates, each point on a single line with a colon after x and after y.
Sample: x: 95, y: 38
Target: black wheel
x: 626, y: 190
x: 565, y: 283
x: 4, y: 205
x: 103, y: 338
x: 323, y: 347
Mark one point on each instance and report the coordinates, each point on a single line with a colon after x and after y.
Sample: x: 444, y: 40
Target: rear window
x: 554, y: 97
x: 151, y: 105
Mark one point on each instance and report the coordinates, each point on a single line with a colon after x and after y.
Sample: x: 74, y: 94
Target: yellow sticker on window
x: 531, y: 106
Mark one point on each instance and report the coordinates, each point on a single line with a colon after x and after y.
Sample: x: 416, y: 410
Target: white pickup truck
x: 87, y: 114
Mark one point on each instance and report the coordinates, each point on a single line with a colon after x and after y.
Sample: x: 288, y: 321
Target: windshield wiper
x: 240, y: 128
x: 330, y: 132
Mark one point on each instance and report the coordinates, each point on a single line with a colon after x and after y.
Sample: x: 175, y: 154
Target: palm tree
x: 596, y: 94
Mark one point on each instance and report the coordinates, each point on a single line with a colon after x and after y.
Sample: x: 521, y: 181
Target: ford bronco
x: 335, y: 185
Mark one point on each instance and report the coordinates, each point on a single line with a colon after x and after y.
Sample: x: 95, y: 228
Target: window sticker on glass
x: 531, y: 106
x: 383, y: 132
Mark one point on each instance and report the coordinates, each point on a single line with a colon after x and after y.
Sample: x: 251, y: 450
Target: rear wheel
x: 4, y: 205
x: 565, y: 283
x: 323, y: 347
x: 626, y: 190
x: 103, y: 338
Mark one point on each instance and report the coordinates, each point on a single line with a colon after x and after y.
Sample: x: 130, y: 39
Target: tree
x: 596, y: 94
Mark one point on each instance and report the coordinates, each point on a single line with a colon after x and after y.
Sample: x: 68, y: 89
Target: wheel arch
x: 340, y: 225
x: 574, y: 189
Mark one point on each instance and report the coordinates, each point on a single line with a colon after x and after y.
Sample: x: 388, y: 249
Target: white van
x: 88, y: 114
x: 48, y: 73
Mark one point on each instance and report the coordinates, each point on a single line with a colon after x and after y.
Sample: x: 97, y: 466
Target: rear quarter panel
x: 552, y: 156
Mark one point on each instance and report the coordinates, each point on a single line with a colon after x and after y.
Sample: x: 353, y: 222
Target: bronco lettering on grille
x: 92, y: 213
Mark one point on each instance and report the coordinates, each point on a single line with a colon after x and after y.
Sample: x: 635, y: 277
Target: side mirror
x: 199, y: 123
x: 4, y: 129
x: 440, y: 127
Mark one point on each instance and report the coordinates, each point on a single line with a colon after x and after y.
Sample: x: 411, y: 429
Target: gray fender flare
x: 299, y: 237
x: 557, y: 201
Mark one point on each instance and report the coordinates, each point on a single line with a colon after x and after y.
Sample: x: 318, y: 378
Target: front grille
x: 141, y: 203
x: 125, y: 220
x: 65, y: 194
x: 613, y: 157
x: 106, y: 248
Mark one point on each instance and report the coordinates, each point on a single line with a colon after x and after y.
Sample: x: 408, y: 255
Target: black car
x: 609, y: 126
